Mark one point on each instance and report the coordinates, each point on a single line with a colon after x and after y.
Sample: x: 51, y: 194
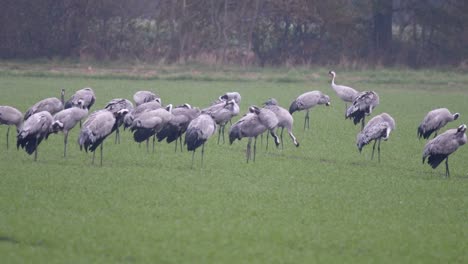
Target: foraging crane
x: 150, y: 123
x: 86, y: 95
x: 198, y: 132
x: 345, y: 93
x: 115, y: 105
x: 362, y: 106
x: 97, y: 127
x: 33, y: 131
x: 142, y: 97
x: 66, y: 120
x: 10, y: 116
x: 285, y: 120
x: 229, y: 96
x: 176, y: 127
x: 439, y: 148
x: 378, y: 128
x: 254, y: 123
x: 434, y: 121
x: 222, y: 113
x: 306, y: 101
x: 52, y: 105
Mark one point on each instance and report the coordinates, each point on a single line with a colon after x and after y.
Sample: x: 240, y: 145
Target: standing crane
x: 10, y: 116
x: 285, y: 120
x: 67, y: 119
x: 362, y: 106
x: 434, y: 121
x: 440, y: 148
x: 307, y: 101
x: 52, y: 105
x: 198, y: 132
x: 345, y: 93
x: 33, y: 131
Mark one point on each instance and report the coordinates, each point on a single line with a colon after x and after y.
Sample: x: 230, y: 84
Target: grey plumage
x: 52, y: 105
x: 97, y: 127
x: 222, y: 113
x: 176, y: 127
x: 362, y: 106
x: 153, y: 105
x: 254, y: 123
x: 378, y: 128
x: 150, y: 123
x: 439, y: 148
x: 86, y: 95
x: 229, y: 96
x: 10, y: 116
x: 142, y: 97
x: 114, y: 106
x: 198, y: 132
x: 345, y: 93
x: 34, y: 130
x: 67, y: 119
x: 434, y: 121
x: 306, y: 101
x: 285, y: 120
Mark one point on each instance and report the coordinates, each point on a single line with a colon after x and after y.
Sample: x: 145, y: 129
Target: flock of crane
x: 149, y: 118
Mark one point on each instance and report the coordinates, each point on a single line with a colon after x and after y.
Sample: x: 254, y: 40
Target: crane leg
x: 248, y: 149
x: 267, y: 138
x: 175, y: 150
x: 219, y: 133
x: 147, y: 145
x: 447, y: 171
x: 94, y: 155
x: 373, y: 150
x: 223, y: 133
x: 193, y: 155
x: 306, y: 120
x: 8, y: 132
x: 281, y: 136
x: 202, y: 153
x: 255, y: 148
x: 117, y: 136
x: 154, y: 139
x: 102, y: 146
x: 362, y: 123
x: 65, y: 141
x: 180, y: 143
x: 345, y: 109
x: 378, y: 149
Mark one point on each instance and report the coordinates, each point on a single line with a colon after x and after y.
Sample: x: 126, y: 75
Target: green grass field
x: 322, y: 202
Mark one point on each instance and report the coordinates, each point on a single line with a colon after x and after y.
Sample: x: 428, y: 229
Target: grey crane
x: 434, y: 121
x: 150, y: 123
x: 115, y: 105
x: 285, y: 120
x: 306, y: 101
x: 378, y: 128
x: 362, y: 106
x: 222, y: 113
x: 439, y: 148
x: 229, y: 96
x: 67, y: 119
x: 345, y: 93
x: 97, y: 127
x: 198, y: 132
x: 254, y: 123
x: 33, y: 131
x: 86, y: 95
x: 138, y: 110
x: 52, y: 105
x: 142, y: 97
x: 181, y: 117
x: 10, y: 116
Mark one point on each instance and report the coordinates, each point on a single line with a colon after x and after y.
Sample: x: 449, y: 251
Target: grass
x: 321, y: 202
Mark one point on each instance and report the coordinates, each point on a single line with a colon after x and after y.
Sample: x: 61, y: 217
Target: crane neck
x: 333, y: 81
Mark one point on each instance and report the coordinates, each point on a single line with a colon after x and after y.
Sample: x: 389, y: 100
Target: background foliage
x: 264, y: 32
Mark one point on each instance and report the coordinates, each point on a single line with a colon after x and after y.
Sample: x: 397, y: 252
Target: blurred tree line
x: 265, y: 32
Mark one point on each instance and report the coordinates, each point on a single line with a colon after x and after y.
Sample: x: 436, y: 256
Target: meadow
x: 322, y: 202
